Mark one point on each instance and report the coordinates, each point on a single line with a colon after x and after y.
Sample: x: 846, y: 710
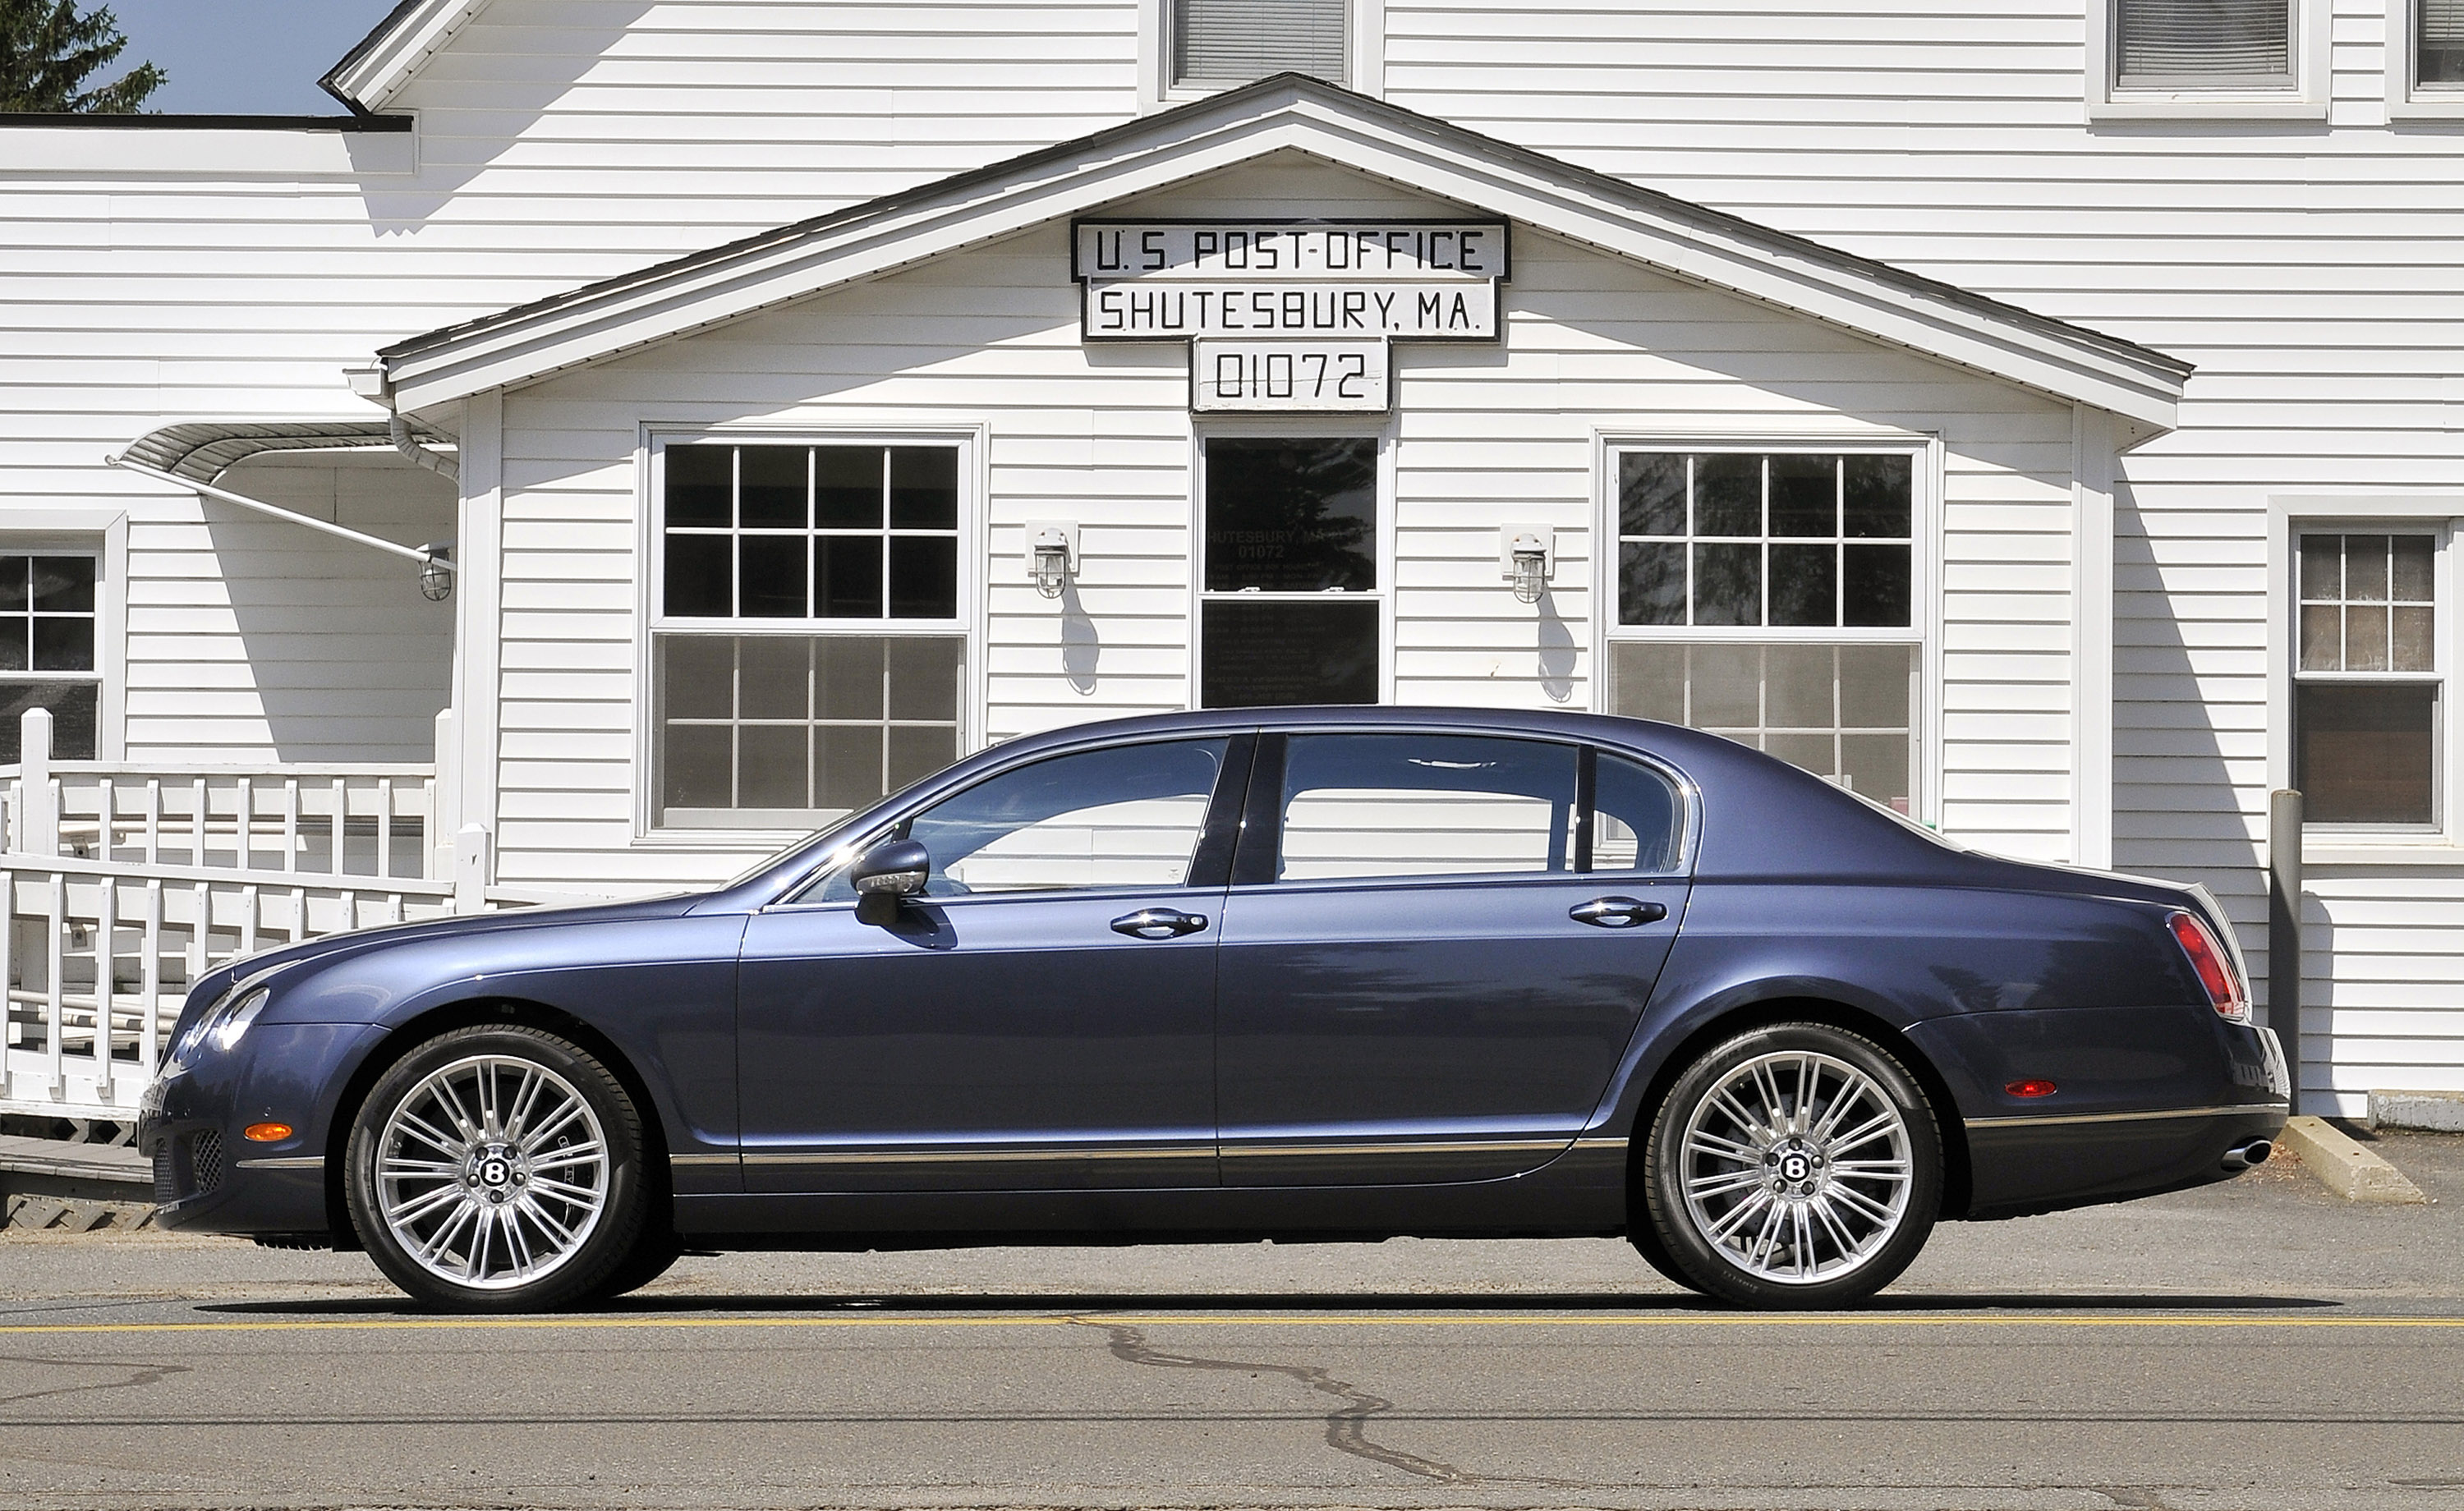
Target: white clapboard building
x: 640, y: 429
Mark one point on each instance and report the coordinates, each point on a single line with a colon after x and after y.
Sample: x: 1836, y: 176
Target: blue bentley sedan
x: 1306, y: 974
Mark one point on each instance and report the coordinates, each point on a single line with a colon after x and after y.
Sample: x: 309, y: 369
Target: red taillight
x: 2032, y: 1088
x: 2215, y: 972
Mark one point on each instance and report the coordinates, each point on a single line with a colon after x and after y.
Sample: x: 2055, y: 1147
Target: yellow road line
x: 1186, y: 1320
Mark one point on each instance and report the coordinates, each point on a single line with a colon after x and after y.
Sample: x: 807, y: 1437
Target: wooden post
x: 39, y: 829
x: 2284, y: 930
x: 473, y: 867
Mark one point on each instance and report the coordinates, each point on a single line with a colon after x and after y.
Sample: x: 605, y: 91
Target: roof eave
x: 371, y: 73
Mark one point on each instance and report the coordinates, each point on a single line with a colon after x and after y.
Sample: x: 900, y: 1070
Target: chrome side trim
x: 975, y: 1156
x: 701, y: 1159
x: 1604, y: 1142
x: 1471, y: 1147
x: 2061, y: 1119
x: 285, y: 1162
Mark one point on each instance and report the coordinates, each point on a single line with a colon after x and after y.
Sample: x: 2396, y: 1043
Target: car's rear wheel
x: 1796, y: 1164
x: 498, y: 1168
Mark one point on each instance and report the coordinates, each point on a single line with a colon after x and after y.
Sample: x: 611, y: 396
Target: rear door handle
x: 1617, y: 912
x: 1158, y: 923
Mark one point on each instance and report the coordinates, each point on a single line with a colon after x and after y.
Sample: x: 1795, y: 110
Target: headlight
x: 233, y: 1020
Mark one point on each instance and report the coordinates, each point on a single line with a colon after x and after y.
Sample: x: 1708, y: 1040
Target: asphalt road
x: 2261, y: 1344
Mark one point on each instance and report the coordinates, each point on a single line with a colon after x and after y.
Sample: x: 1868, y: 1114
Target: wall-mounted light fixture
x: 1527, y: 557
x: 436, y: 572
x: 1051, y: 555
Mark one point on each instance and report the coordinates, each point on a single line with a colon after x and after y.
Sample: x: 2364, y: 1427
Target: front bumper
x: 207, y: 1177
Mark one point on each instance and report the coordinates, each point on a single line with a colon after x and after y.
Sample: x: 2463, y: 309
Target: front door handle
x: 1617, y: 912
x: 1158, y: 923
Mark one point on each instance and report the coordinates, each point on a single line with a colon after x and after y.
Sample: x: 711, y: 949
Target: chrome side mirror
x: 889, y: 871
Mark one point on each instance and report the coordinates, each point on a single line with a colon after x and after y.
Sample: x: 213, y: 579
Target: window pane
x: 700, y: 485
x: 1727, y: 495
x: 701, y: 578
x: 2322, y: 567
x: 924, y: 577
x: 75, y: 726
x: 1234, y: 41
x: 2438, y: 44
x: 772, y: 580
x: 2411, y: 559
x: 1806, y: 751
x: 2203, y: 41
x: 16, y: 642
x: 1805, y: 584
x: 1879, y: 496
x: 912, y: 753
x: 773, y: 677
x: 15, y: 575
x: 1424, y: 804
x: 697, y: 676
x: 1292, y: 516
x: 771, y: 486
x: 846, y: 487
x: 1635, y: 821
x: 924, y: 679
x: 2366, y: 569
x: 1728, y: 585
x: 63, y: 642
x: 1127, y: 817
x: 847, y: 576
x: 1651, y: 584
x: 64, y: 584
x: 924, y: 488
x: 1805, y: 496
x: 1725, y: 688
x: 1797, y: 683
x: 847, y: 678
x: 2415, y: 646
x: 698, y: 765
x: 771, y: 766
x: 2366, y: 637
x: 1876, y: 585
x: 1258, y: 654
x: 2322, y: 638
x: 2363, y: 753
x: 1651, y: 493
x: 1648, y: 682
x: 1873, y: 682
x: 1875, y: 766
x: 847, y: 765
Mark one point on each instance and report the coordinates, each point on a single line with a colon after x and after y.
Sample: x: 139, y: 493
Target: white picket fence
x: 127, y: 882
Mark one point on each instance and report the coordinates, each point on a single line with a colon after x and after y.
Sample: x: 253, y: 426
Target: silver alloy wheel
x: 492, y: 1171
x: 1796, y: 1168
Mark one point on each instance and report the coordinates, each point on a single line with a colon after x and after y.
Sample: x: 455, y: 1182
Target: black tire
x: 1837, y: 1179
x: 506, y: 1188
x: 1645, y: 1239
x: 655, y: 1253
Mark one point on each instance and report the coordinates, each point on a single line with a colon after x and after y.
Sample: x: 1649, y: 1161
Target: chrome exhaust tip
x: 2253, y: 1153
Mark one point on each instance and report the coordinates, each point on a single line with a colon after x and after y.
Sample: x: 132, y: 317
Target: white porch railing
x: 127, y: 882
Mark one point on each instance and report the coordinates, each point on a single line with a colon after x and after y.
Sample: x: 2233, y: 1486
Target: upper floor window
x: 1216, y: 43
x: 2170, y: 45
x: 46, y: 651
x: 806, y: 646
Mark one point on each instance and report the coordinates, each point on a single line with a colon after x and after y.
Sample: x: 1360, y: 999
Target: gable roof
x: 369, y: 74
x: 1288, y: 112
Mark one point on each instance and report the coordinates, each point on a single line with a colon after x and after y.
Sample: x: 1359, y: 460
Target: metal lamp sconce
x: 1052, y: 557
x: 1526, y: 557
x: 436, y: 574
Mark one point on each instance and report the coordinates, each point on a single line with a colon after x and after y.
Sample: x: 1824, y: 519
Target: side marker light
x: 266, y: 1133
x: 2032, y: 1088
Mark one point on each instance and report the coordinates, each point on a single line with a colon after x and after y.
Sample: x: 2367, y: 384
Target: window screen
x: 1234, y: 41
x: 2194, y: 43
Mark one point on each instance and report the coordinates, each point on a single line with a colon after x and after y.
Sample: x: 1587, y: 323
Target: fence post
x: 2284, y: 930
x: 473, y: 867
x: 442, y: 812
x: 39, y: 831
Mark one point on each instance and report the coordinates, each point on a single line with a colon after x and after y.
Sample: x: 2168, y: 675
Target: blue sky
x: 244, y: 57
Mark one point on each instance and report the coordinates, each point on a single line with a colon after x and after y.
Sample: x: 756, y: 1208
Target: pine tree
x: 48, y: 51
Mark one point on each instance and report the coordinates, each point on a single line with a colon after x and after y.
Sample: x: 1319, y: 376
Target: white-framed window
x: 1192, y: 48
x: 50, y: 648
x: 808, y: 644
x: 2370, y: 704
x: 1769, y: 595
x: 1291, y: 570
x: 2249, y: 57
x: 2425, y: 58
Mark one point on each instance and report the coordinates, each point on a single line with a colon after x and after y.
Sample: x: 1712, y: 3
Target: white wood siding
x: 989, y: 339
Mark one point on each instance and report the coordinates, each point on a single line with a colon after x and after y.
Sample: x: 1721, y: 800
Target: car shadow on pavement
x: 1300, y: 1302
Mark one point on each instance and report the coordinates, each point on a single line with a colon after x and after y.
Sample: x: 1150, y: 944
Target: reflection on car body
x: 1310, y: 973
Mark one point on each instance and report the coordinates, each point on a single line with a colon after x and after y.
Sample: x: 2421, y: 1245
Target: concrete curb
x: 2345, y: 1166
x: 2429, y: 1111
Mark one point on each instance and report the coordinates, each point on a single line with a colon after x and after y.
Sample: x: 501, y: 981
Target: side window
x: 46, y: 651
x: 1362, y: 806
x: 1638, y: 823
x: 1126, y: 816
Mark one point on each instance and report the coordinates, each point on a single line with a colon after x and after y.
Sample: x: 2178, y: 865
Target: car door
x: 1042, y: 1018
x: 1436, y: 948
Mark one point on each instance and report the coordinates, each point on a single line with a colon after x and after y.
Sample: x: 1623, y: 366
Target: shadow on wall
x: 339, y: 657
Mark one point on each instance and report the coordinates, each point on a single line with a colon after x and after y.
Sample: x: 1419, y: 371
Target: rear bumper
x: 2028, y: 1165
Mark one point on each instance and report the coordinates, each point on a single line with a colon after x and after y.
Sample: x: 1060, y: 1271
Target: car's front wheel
x: 498, y: 1167
x: 1796, y: 1164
